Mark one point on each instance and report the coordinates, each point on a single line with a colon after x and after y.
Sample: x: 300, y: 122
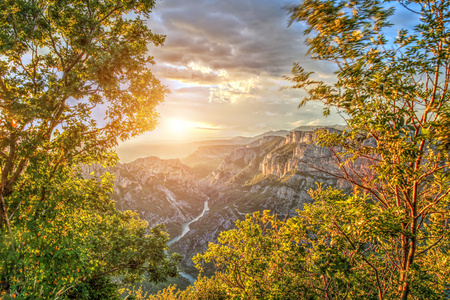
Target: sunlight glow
x: 196, y: 67
x: 179, y: 128
x: 177, y: 125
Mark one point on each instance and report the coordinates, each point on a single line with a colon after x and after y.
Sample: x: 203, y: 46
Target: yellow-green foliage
x: 339, y: 247
x: 170, y: 293
x: 393, y: 91
x: 260, y: 178
x: 60, y: 235
x: 285, y: 150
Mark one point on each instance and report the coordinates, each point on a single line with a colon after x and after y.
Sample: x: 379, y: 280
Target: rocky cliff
x: 242, y: 164
x: 273, y: 173
x: 297, y: 153
x: 207, y: 158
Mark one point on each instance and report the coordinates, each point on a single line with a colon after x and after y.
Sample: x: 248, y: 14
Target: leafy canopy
x: 75, y: 79
x: 394, y: 95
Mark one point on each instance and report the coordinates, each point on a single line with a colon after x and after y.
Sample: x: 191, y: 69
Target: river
x: 184, y: 230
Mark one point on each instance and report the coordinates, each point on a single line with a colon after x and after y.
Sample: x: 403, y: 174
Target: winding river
x: 185, y: 229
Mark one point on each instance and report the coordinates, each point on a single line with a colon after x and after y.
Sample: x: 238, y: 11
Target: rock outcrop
x: 296, y: 153
x: 207, y: 158
x: 272, y: 173
x: 299, y: 153
x: 242, y: 164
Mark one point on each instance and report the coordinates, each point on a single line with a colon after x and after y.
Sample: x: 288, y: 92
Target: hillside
x: 161, y: 191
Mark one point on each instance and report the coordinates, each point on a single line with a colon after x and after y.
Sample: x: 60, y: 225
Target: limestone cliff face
x: 299, y: 153
x: 300, y: 137
x: 232, y: 165
x: 244, y: 163
x: 168, y: 171
x: 296, y: 153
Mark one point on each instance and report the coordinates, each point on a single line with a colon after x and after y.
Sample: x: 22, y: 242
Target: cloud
x: 225, y: 60
x: 192, y: 90
x: 232, y: 90
x: 248, y: 36
x: 186, y: 75
x: 207, y: 128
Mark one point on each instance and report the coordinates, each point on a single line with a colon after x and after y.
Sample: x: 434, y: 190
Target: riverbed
x: 184, y: 230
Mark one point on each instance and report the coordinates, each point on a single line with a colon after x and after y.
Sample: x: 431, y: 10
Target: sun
x: 179, y: 126
x: 181, y: 129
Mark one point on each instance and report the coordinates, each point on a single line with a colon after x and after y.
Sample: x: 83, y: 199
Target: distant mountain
x: 315, y: 127
x: 172, y: 149
x: 246, y: 140
x: 167, y: 150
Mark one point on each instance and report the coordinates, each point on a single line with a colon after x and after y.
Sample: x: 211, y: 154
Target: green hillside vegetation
x: 285, y: 150
x: 272, y: 143
x: 202, y: 167
x: 262, y: 180
x: 203, y: 163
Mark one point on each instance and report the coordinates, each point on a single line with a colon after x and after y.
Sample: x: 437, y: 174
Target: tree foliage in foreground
x: 389, y: 239
x: 74, y: 80
x: 336, y: 248
x: 394, y: 95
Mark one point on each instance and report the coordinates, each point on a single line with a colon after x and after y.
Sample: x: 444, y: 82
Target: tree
x: 389, y: 237
x: 314, y: 255
x: 393, y: 93
x: 261, y: 259
x: 339, y: 247
x: 74, y: 80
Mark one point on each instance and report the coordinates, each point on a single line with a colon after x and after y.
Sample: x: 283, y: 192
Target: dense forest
x: 61, y: 236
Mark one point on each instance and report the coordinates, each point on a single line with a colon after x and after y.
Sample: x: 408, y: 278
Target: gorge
x: 203, y: 194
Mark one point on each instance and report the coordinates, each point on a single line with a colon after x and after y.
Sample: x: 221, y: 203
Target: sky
x: 224, y: 62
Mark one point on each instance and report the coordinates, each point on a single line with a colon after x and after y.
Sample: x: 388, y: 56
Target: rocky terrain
x: 161, y: 191
x: 271, y: 172
x: 207, y: 158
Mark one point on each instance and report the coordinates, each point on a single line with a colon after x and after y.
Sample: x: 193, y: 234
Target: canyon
x: 205, y: 192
